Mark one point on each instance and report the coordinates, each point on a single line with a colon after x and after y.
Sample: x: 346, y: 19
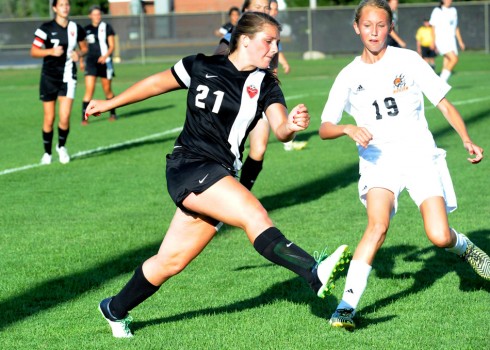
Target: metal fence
x: 144, y: 38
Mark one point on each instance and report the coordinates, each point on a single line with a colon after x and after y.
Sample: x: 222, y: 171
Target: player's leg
x: 49, y: 109
x: 107, y: 87
x: 65, y: 104
x: 186, y: 237
x: 243, y: 210
x: 449, y: 61
x: 379, y: 206
x: 436, y: 226
x: 90, y: 81
x: 252, y: 166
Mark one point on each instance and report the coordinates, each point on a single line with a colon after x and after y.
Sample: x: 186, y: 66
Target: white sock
x: 460, y: 246
x: 445, y: 74
x: 355, y: 284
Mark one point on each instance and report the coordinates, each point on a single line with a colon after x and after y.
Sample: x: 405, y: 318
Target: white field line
x: 99, y: 149
x: 171, y: 131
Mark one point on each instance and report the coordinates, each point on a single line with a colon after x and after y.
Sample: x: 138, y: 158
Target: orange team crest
x: 399, y: 84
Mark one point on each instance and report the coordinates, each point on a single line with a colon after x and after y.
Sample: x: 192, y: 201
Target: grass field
x: 72, y: 234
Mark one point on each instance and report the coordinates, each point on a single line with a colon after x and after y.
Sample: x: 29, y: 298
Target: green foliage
x: 41, y: 8
x: 72, y: 234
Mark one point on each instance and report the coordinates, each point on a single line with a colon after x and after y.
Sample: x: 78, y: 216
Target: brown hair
x: 380, y: 4
x: 250, y: 23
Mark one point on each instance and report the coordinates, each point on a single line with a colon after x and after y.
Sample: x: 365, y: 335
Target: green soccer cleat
x: 328, y: 267
x: 477, y: 258
x: 120, y: 327
x: 343, y: 318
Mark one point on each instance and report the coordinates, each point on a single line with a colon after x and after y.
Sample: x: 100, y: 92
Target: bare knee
x: 377, y: 232
x: 441, y: 237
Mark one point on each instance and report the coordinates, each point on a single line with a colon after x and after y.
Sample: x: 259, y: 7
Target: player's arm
x: 454, y: 118
x: 154, y: 85
x: 329, y: 130
x: 79, y: 54
x: 41, y: 52
x: 460, y: 39
x: 285, y: 126
x: 284, y: 62
x: 111, y: 44
x: 397, y: 38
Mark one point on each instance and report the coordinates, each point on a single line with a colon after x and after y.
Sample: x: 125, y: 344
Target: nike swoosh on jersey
x: 210, y: 76
x: 204, y: 178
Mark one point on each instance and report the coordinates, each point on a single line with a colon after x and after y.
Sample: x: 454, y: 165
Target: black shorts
x: 50, y: 88
x: 188, y: 174
x: 93, y: 68
x: 427, y: 52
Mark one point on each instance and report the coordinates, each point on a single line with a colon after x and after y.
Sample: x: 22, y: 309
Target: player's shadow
x: 56, y: 291
x: 436, y: 264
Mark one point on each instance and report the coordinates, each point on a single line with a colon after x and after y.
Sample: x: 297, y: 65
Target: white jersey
x: 444, y: 20
x: 386, y: 98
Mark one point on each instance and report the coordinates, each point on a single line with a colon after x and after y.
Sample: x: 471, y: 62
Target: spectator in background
x: 394, y: 39
x: 444, y: 21
x: 425, y: 43
x: 56, y: 43
x: 101, y: 44
x: 233, y: 16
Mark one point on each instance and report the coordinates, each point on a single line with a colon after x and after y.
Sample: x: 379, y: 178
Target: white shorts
x: 421, y: 181
x: 446, y: 45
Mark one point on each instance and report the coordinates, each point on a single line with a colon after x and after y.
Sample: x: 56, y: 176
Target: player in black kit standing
x: 98, y: 63
x: 56, y: 42
x: 226, y: 97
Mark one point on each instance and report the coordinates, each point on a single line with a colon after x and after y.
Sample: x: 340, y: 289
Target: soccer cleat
x: 343, y: 318
x: 328, y: 267
x: 46, y: 159
x: 477, y: 258
x: 120, y: 327
x: 63, y: 154
x: 84, y: 122
x: 113, y: 118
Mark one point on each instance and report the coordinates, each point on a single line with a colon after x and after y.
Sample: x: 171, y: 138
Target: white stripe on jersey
x: 38, y: 42
x: 41, y: 34
x: 182, y: 73
x: 102, y: 35
x: 248, y: 108
x: 72, y: 35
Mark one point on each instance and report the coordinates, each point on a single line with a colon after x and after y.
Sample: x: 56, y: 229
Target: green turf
x: 72, y: 234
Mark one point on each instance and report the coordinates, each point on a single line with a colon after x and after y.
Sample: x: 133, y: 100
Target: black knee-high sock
x: 48, y: 141
x: 137, y: 290
x: 250, y: 171
x: 112, y: 111
x: 84, y: 108
x: 273, y: 246
x: 62, y: 136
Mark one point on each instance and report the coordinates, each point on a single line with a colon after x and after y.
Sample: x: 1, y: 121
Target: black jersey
x: 223, y: 105
x: 51, y: 34
x: 97, y: 39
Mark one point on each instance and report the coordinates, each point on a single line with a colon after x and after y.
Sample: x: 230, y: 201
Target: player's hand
x: 286, y: 68
x: 95, y: 108
x: 101, y: 60
x: 299, y: 118
x: 475, y: 151
x: 359, y: 134
x: 57, y: 51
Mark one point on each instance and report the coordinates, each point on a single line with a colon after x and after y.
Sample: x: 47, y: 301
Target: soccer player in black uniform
x: 226, y: 97
x: 98, y: 63
x: 56, y: 42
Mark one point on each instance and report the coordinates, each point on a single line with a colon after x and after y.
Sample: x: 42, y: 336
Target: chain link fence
x: 145, y: 38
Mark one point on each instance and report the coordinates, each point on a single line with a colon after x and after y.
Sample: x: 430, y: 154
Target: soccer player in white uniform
x: 227, y: 95
x: 383, y: 89
x: 444, y: 21
x: 56, y: 43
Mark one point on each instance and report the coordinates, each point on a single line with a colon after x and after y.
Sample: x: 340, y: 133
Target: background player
x: 206, y: 158
x: 98, y: 63
x: 233, y: 16
x: 56, y: 43
x: 425, y: 43
x: 444, y: 21
x: 382, y: 89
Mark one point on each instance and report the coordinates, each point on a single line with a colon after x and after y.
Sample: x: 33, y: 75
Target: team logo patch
x: 72, y: 33
x: 399, y: 84
x: 252, y: 91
